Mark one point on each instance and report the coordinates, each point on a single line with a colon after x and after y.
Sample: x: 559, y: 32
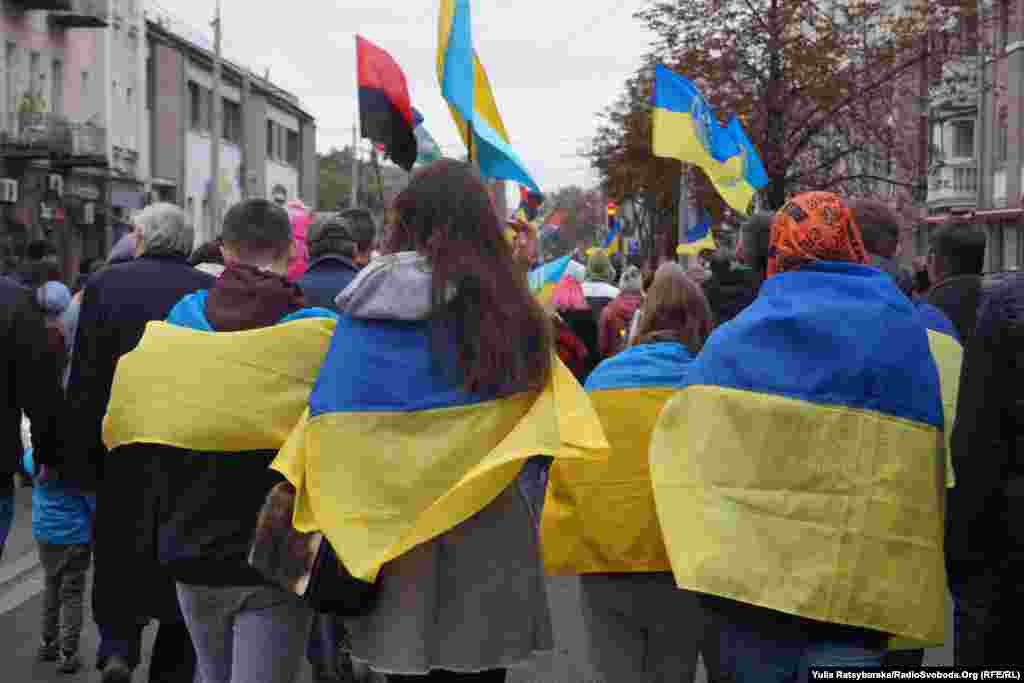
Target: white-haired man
x: 116, y: 305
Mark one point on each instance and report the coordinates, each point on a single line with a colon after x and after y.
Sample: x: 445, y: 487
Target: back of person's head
x: 162, y: 229
x: 675, y: 310
x: 502, y: 335
x: 37, y: 250
x: 632, y: 280
x: 53, y: 298
x: 568, y: 296
x: 257, y: 233
x: 957, y: 248
x: 350, y: 234
x: 879, y: 226
x: 209, y: 252
x: 755, y: 238
x: 720, y: 263
x: 599, y: 267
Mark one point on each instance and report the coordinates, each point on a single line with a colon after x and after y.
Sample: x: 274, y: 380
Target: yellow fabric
x: 694, y: 248
x: 829, y: 513
x: 948, y: 356
x: 600, y: 517
x: 226, y: 391
x: 675, y: 136
x: 484, y: 103
x: 379, y: 484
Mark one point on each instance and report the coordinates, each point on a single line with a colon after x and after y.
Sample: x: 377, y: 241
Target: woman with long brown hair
x: 436, y: 390
x: 600, y: 521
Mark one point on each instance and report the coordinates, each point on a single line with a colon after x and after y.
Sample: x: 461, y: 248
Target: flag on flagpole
x: 685, y: 128
x: 464, y: 84
x: 385, y: 111
x: 613, y: 243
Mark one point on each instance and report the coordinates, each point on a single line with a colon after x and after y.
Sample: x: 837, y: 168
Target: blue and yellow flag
x: 543, y: 278
x: 466, y: 87
x: 613, y: 242
x: 601, y: 517
x: 685, y: 128
x: 698, y: 238
x: 392, y: 452
x: 800, y: 467
x: 267, y: 372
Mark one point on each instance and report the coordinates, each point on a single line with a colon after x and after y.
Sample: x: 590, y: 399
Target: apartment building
x: 977, y: 137
x: 53, y: 122
x: 267, y: 138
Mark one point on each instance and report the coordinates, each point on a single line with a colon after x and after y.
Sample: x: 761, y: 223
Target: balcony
x: 47, y: 5
x: 953, y: 185
x: 53, y: 137
x: 81, y: 14
x: 958, y: 86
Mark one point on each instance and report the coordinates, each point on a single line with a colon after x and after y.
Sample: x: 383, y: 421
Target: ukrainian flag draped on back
x: 392, y: 452
x: 685, y: 128
x: 800, y: 467
x: 464, y: 84
x: 601, y: 517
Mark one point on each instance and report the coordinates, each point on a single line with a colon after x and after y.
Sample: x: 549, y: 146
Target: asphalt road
x: 21, y: 605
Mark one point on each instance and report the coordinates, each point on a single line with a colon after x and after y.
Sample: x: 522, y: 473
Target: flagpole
x: 354, y: 201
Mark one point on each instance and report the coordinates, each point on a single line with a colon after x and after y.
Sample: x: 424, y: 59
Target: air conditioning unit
x: 8, y: 191
x: 89, y: 213
x: 56, y: 184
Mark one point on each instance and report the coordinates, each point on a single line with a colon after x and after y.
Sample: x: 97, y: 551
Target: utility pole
x: 354, y: 201
x: 217, y: 128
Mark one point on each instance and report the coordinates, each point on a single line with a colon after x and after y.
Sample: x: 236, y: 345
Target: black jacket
x: 729, y: 291
x: 959, y: 298
x: 325, y: 278
x: 32, y: 380
x: 116, y: 305
x: 985, y: 512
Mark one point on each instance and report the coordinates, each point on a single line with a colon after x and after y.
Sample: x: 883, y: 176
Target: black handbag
x: 305, y: 564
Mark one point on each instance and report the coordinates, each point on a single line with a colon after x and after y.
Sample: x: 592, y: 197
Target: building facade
x: 267, y: 139
x: 105, y: 108
x: 53, y: 133
x: 977, y: 137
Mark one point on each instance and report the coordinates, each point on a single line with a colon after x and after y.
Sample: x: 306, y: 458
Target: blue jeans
x: 762, y: 646
x: 6, y: 510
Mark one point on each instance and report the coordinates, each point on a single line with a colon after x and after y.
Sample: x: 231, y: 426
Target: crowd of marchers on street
x: 365, y: 446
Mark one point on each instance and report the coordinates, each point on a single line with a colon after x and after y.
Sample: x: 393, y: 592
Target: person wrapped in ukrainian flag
x: 440, y: 383
x: 600, y: 521
x: 799, y: 472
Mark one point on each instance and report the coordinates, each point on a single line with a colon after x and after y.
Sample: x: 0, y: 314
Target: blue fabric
x: 61, y: 515
x: 753, y: 169
x: 385, y: 366
x: 647, y: 365
x: 458, y: 75
x: 935, y: 320
x: 191, y: 312
x: 759, y: 651
x: 325, y: 278
x: 831, y: 333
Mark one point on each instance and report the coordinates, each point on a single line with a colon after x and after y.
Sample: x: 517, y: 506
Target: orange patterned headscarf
x: 814, y: 226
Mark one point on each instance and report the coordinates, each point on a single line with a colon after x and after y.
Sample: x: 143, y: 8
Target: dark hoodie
x: 729, y: 290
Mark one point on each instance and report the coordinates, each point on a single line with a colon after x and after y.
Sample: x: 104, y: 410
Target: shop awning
x: 987, y: 214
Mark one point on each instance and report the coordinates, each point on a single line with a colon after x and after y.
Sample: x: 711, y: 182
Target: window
x: 232, y: 122
x: 281, y: 142
x: 57, y: 88
x: 195, y: 106
x: 128, y: 93
x: 85, y: 84
x: 963, y: 139
x: 293, y: 148
x: 271, y: 136
x: 1002, y: 140
x: 9, y: 57
x: 33, y: 72
x: 150, y: 83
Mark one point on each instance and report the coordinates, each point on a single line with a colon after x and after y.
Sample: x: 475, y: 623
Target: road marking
x: 22, y: 592
x: 13, y: 570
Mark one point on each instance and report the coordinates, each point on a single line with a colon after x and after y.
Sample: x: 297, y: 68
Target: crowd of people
x: 781, y: 464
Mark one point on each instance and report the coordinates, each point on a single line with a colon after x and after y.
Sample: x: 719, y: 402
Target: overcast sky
x: 552, y: 63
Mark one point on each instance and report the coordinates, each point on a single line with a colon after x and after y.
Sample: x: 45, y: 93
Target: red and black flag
x: 385, y: 110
